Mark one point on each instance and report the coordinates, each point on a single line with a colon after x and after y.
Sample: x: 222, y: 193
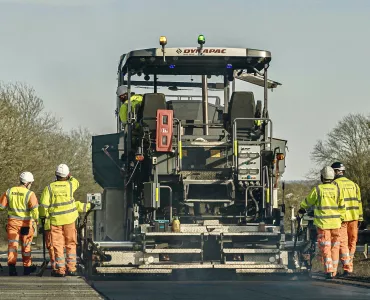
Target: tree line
x: 33, y: 140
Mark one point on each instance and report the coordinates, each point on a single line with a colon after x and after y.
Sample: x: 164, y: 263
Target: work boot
x: 56, y: 274
x: 329, y: 276
x: 72, y: 273
x: 28, y: 270
x: 346, y: 274
x: 12, y: 270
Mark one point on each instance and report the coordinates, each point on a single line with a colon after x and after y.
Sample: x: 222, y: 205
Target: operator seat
x: 148, y: 109
x: 242, y: 105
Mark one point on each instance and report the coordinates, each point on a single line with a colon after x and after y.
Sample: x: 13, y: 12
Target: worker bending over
x: 329, y: 211
x: 57, y: 204
x: 22, y: 206
x: 123, y: 95
x: 354, y: 215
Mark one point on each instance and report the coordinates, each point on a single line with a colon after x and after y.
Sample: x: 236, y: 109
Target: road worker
x: 22, y: 206
x: 354, y: 215
x: 58, y: 205
x: 81, y: 208
x: 329, y: 211
x: 123, y: 95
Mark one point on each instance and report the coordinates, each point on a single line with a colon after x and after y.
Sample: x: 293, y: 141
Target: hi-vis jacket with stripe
x: 57, y: 202
x: 328, y: 204
x: 81, y: 208
x: 21, y: 204
x: 352, y: 199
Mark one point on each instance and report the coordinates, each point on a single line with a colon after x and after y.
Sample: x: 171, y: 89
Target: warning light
x: 280, y: 156
x: 229, y: 66
x: 172, y: 66
x: 163, y: 41
x: 201, y: 39
x: 139, y: 157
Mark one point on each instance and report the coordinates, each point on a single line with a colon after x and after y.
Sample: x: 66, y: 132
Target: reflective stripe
x: 59, y: 258
x: 71, y: 190
x: 34, y: 207
x: 327, y: 207
x: 44, y: 205
x: 347, y: 261
x: 352, y: 208
x: 19, y: 218
x: 335, y: 261
x: 18, y: 210
x: 73, y: 255
x: 325, y: 244
x: 2, y: 206
x: 12, y: 250
x: 26, y: 253
x: 361, y: 216
x: 71, y: 260
x: 27, y: 244
x: 13, y: 241
x: 318, y: 196
x: 335, y: 244
x: 61, y: 204
x: 60, y: 265
x: 338, y: 190
x: 27, y: 198
x: 63, y: 212
x: 328, y: 217
x: 50, y: 192
x: 344, y: 255
x: 350, y: 199
x: 7, y: 195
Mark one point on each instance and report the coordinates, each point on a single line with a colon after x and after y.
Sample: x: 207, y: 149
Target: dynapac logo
x: 203, y: 51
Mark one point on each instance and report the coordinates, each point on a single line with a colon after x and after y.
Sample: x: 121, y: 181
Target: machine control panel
x: 96, y: 199
x: 249, y: 162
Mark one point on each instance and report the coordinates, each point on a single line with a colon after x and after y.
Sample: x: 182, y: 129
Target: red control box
x: 164, y: 130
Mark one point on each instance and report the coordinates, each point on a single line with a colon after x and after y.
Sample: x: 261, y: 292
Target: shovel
x: 45, y: 262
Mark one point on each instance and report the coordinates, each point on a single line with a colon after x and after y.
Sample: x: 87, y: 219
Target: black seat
x: 242, y: 105
x: 148, y: 109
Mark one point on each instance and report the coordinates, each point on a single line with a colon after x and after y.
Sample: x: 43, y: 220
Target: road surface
x: 261, y: 289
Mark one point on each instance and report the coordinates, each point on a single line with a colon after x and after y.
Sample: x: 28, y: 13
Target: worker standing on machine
x: 123, y: 95
x: 57, y: 204
x: 22, y: 206
x: 329, y: 212
x: 354, y: 215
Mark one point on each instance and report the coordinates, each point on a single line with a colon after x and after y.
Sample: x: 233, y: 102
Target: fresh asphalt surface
x: 261, y: 288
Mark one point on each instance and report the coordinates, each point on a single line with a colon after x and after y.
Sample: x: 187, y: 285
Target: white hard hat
x: 62, y: 170
x: 328, y: 173
x: 122, y: 89
x: 26, y: 177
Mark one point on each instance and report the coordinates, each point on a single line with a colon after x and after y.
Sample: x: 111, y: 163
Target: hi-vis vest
x: 352, y: 199
x: 57, y: 202
x: 18, y: 204
x: 135, y: 100
x: 81, y: 208
x: 329, y: 208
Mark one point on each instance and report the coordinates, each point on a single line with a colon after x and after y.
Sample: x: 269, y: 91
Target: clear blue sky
x: 68, y: 51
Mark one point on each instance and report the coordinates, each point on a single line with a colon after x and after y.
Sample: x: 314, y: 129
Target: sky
x: 69, y: 51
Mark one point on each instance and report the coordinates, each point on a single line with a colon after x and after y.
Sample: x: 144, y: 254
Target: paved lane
x: 228, y: 290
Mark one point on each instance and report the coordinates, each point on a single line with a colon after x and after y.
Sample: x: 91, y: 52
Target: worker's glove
x: 41, y: 230
x: 92, y: 206
x: 302, y: 211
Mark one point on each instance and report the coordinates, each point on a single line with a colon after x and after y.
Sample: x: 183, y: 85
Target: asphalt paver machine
x: 190, y: 181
